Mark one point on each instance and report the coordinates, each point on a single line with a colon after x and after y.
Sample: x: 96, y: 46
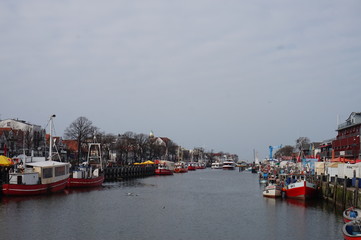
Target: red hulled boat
x: 201, y: 165
x: 90, y: 173
x: 37, y: 177
x: 351, y: 214
x: 192, y: 166
x: 180, y: 167
x: 43, y: 177
x: 352, y: 230
x: 163, y: 169
x: 85, y: 182
x: 301, y: 189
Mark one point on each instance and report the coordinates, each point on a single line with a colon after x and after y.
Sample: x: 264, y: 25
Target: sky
x: 230, y: 76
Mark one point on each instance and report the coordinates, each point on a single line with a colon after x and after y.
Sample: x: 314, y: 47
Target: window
x: 59, y: 171
x: 47, y: 172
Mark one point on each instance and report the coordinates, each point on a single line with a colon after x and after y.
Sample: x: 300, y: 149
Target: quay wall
x: 126, y: 172
x: 340, y: 191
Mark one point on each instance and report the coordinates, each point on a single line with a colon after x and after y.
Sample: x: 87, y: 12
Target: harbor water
x: 204, y: 204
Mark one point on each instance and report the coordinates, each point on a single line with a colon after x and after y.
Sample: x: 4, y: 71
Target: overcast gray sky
x: 228, y: 76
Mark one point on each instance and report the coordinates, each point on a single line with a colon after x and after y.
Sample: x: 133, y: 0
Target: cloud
x: 230, y: 75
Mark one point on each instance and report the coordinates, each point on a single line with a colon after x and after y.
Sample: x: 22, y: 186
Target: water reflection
x: 203, y: 204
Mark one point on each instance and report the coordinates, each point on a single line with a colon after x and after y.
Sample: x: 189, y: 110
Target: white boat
x: 272, y: 190
x: 217, y: 165
x: 229, y: 165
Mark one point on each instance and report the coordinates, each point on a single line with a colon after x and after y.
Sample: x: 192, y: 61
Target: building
x: 19, y: 125
x: 325, y: 149
x: 347, y: 143
x: 18, y: 136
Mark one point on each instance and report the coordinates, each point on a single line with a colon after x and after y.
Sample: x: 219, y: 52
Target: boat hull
x: 272, y: 191
x: 35, y: 189
x: 191, y: 168
x: 301, y: 190
x: 85, y: 182
x: 228, y: 168
x: 352, y: 230
x: 347, y: 216
x: 181, y: 170
x: 163, y: 172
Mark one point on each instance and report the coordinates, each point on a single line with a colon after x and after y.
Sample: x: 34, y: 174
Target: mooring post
x: 354, y: 185
x: 335, y: 190
x: 357, y: 182
x: 344, y: 192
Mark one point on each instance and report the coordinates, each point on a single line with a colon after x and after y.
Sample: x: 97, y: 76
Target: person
x: 20, y: 166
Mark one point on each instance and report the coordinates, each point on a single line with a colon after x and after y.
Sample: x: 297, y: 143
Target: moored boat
x: 217, y: 165
x: 180, y: 167
x: 200, y: 165
x: 80, y: 179
x: 352, y: 230
x: 272, y: 190
x: 301, y: 189
x: 229, y: 165
x: 163, y: 169
x: 38, y: 177
x: 351, y: 214
x: 263, y: 177
x: 192, y: 166
x: 90, y: 173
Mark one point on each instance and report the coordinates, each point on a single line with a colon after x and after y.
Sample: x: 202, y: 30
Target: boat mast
x: 51, y: 137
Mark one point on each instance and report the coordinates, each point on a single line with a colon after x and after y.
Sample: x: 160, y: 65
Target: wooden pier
x: 340, y: 191
x: 126, y: 172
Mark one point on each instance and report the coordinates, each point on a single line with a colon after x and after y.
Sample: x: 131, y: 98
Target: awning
x: 5, y: 161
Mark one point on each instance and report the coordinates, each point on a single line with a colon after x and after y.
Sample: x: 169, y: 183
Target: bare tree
x: 172, y: 150
x: 142, y: 141
x: 81, y: 130
x: 284, y: 151
x: 107, y: 140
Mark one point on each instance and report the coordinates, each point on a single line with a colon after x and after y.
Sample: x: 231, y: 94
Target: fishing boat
x: 192, y: 166
x: 38, y: 177
x: 263, y: 177
x: 352, y: 230
x: 351, y: 214
x: 272, y: 190
x: 229, y: 165
x: 180, y: 167
x: 300, y: 188
x: 163, y: 169
x: 200, y: 165
x: 89, y: 173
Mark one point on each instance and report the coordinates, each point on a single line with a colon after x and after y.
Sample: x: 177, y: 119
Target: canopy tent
x: 148, y: 162
x: 144, y: 163
x: 5, y: 161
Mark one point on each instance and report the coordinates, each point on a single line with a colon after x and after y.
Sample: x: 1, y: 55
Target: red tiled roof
x: 2, y: 130
x: 71, y: 145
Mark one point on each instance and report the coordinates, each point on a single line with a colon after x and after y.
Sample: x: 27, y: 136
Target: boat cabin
x: 41, y: 173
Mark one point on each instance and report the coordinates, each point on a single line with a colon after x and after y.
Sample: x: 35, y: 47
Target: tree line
x: 292, y: 151
x: 128, y: 147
